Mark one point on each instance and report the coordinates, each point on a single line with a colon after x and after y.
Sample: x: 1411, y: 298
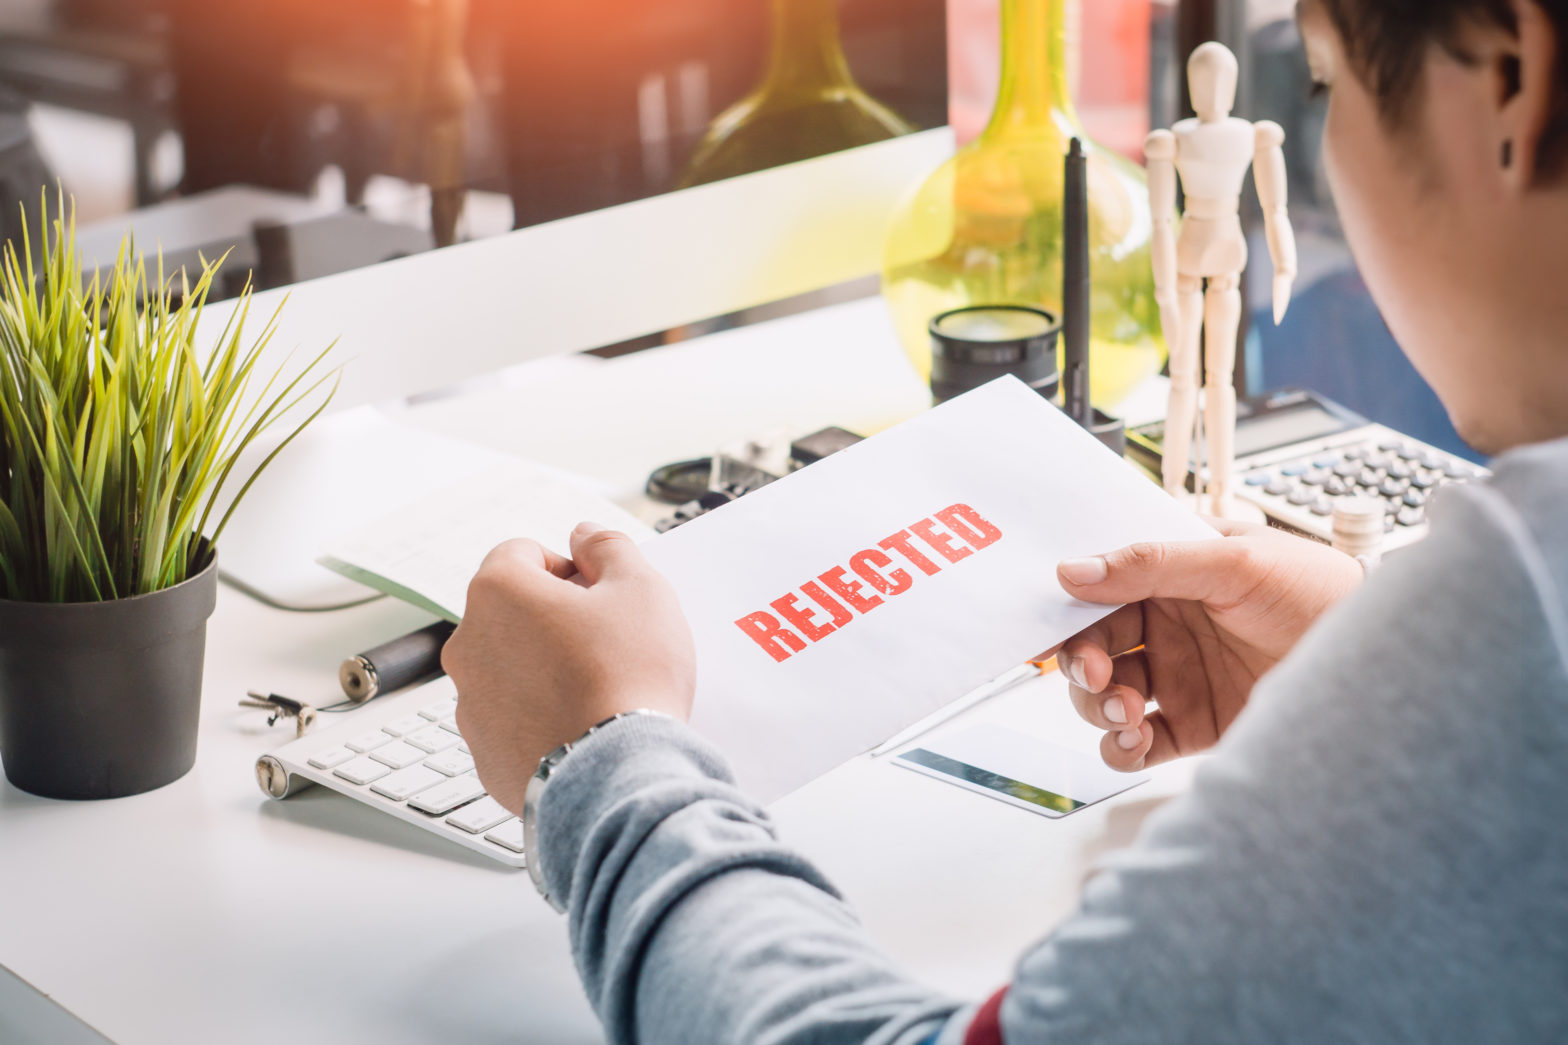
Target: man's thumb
x: 601, y: 552
x: 1211, y: 571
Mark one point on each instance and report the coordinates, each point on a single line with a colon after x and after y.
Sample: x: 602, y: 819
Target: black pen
x: 393, y: 665
x: 1075, y: 287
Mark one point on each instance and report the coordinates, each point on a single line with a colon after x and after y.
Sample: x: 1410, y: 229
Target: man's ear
x: 1524, y: 69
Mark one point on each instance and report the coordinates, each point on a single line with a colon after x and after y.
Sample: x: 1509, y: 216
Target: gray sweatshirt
x: 1377, y: 851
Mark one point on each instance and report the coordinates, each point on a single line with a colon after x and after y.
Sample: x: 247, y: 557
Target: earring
x: 1508, y: 154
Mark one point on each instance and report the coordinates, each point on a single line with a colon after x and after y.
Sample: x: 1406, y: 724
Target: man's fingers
x: 523, y: 560
x: 1131, y: 670
x: 1149, y: 745
x: 1118, y: 708
x: 600, y: 552
x: 1086, y: 657
x: 1215, y: 572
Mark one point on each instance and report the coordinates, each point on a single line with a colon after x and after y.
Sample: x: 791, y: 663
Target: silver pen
x: 998, y: 685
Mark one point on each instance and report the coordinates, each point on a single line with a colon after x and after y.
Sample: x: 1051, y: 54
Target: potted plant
x: 117, y: 435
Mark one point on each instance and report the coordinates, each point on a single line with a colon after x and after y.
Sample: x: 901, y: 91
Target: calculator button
x: 1259, y: 479
x: 1379, y: 461
x: 1322, y: 506
x: 1424, y: 482
x: 1302, y: 498
x: 1316, y: 478
x: 1325, y: 461
x: 1336, y: 487
x: 1430, y: 459
x: 1389, y: 523
x: 1399, y: 470
x: 1415, y: 499
x: 1391, y: 444
x: 1412, y: 517
x: 1455, y: 470
x: 1356, y: 453
x: 1368, y: 478
x: 1278, y: 488
x: 1295, y: 471
x: 1348, y: 470
x: 1393, y: 487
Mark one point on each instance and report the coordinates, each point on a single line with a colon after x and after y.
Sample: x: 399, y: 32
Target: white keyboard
x: 401, y: 754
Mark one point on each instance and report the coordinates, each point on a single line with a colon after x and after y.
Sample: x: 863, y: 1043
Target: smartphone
x: 1019, y: 769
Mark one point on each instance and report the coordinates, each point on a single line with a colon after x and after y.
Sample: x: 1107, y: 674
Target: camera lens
x: 971, y: 346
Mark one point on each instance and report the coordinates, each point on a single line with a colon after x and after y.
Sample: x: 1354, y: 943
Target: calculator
x: 1297, y: 452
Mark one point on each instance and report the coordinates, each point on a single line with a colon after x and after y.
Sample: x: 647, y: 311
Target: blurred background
x: 311, y: 138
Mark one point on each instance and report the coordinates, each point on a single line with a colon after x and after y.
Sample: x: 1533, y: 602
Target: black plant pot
x: 102, y: 699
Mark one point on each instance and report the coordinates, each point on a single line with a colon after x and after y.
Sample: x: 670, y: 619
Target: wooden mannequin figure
x: 1211, y: 155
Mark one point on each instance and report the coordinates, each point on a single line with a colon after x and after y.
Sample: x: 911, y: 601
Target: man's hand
x: 549, y: 646
x: 1210, y: 616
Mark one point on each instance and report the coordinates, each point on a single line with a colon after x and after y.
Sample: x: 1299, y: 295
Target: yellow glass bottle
x: 986, y: 228
x: 807, y: 104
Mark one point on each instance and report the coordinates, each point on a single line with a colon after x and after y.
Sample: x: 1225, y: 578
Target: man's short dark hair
x: 1388, y: 40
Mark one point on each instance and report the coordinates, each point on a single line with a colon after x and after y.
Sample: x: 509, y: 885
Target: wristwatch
x: 534, y: 795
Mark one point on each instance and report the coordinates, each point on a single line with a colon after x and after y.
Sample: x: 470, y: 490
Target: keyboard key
x: 479, y: 816
x: 448, y: 795
x: 402, y: 727
x: 509, y: 836
x: 433, y: 739
x: 406, y: 783
x: 451, y: 763
x: 464, y: 749
x: 398, y: 754
x: 368, y: 741
x: 439, y: 711
x: 331, y: 758
x: 362, y: 770
x: 450, y: 725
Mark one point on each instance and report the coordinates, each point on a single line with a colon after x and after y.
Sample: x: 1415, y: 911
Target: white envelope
x: 1037, y: 489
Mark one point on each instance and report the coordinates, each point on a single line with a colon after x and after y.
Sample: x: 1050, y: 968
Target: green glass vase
x: 807, y: 103
x: 986, y: 228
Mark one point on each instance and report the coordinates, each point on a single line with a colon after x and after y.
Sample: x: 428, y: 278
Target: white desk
x: 205, y: 913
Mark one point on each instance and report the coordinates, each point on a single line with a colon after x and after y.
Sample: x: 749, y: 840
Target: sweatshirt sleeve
x: 1360, y: 859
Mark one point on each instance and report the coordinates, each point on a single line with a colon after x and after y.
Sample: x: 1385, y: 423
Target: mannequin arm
x: 1160, y: 148
x: 1268, y: 165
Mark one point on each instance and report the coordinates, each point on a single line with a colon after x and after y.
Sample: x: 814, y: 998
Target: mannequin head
x: 1211, y: 79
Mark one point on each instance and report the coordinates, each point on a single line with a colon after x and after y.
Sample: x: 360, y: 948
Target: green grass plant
x: 116, y: 436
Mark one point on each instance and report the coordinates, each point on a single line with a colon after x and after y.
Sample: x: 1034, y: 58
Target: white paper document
x: 838, y: 605
x: 428, y: 551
